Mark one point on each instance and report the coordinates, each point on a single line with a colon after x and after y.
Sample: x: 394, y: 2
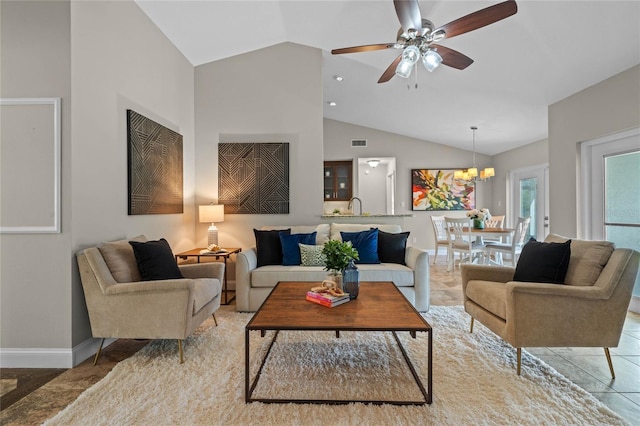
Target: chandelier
x: 471, y: 174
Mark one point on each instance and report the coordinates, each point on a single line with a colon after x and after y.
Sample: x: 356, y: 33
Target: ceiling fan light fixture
x: 404, y: 69
x: 411, y: 54
x: 431, y: 60
x: 438, y: 35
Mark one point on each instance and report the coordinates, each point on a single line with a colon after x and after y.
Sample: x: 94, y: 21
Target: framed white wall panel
x: 30, y: 165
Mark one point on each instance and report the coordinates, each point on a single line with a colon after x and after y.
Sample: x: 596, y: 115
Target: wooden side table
x: 224, y: 256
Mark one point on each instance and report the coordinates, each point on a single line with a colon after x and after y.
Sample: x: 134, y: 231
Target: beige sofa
x: 254, y: 284
x: 588, y: 310
x: 120, y: 305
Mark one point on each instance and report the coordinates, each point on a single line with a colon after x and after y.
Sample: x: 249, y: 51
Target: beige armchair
x: 120, y: 305
x: 589, y: 310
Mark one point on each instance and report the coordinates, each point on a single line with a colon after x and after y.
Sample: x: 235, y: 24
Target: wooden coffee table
x: 380, y: 306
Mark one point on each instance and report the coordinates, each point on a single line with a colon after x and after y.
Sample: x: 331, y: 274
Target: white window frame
x: 592, y: 155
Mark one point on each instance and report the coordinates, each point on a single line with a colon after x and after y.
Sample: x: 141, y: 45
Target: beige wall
x: 120, y: 60
x: 610, y: 106
x: 410, y: 154
x: 35, y: 269
x: 533, y: 154
x: 101, y: 58
x: 270, y: 95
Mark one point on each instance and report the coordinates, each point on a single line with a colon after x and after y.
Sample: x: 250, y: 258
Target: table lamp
x: 212, y: 213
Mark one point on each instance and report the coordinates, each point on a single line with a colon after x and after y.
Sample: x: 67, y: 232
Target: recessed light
x: 338, y: 77
x: 332, y: 103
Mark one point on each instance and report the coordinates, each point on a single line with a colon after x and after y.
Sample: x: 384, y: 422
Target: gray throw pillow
x: 311, y: 255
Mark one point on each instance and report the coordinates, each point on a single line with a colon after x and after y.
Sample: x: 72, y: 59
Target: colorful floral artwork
x: 436, y: 189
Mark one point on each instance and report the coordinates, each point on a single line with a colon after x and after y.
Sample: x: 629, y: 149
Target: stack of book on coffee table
x: 327, y: 299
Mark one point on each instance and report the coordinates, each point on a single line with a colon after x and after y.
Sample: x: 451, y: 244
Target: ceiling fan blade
x: 365, y: 48
x: 479, y: 19
x: 408, y: 13
x: 391, y: 71
x: 452, y: 58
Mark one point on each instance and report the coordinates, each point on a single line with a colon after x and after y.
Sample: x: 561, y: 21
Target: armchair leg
x: 606, y: 352
x: 214, y: 318
x: 471, y: 329
x: 519, y: 353
x: 95, y: 360
x: 180, y: 351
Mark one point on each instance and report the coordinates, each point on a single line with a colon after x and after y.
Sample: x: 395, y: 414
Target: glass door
x: 622, y: 199
x: 529, y: 194
x: 611, y: 193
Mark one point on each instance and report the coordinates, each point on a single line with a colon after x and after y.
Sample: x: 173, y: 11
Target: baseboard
x: 634, y: 306
x: 50, y: 357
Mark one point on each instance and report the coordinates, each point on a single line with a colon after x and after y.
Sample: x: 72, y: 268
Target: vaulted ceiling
x: 544, y: 53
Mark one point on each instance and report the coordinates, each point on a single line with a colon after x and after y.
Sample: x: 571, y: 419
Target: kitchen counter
x: 360, y: 216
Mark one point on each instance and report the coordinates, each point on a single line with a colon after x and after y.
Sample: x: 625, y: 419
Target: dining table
x: 482, y: 233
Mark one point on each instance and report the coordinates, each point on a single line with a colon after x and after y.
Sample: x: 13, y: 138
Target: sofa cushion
x: 268, y: 276
x: 400, y: 275
x: 312, y: 255
x: 120, y: 259
x: 322, y: 230
x: 491, y: 295
x: 268, y: 246
x: 155, y: 260
x: 290, y: 248
x: 392, y: 247
x: 588, y: 258
x: 205, y: 290
x: 337, y: 228
x: 366, y: 243
x: 543, y: 262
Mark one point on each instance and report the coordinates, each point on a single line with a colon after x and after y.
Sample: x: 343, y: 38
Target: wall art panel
x: 437, y: 189
x: 253, y: 178
x: 154, y: 167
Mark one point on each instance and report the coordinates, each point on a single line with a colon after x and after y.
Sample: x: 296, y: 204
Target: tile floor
x: 27, y: 400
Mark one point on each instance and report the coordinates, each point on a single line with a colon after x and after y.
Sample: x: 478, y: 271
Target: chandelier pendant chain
x: 474, y: 128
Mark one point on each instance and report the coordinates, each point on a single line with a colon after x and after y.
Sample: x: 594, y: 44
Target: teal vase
x: 478, y: 223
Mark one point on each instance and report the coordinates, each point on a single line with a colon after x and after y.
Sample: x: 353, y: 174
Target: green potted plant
x: 338, y: 254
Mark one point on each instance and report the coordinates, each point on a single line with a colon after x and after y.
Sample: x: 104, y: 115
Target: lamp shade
x: 211, y: 213
x: 404, y: 69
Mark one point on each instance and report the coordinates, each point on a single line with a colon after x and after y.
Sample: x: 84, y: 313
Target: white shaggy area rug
x: 474, y: 381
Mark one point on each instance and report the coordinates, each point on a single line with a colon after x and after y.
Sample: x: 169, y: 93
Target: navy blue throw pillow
x: 392, y: 247
x: 268, y: 246
x: 543, y: 262
x: 366, y: 242
x: 155, y: 260
x: 290, y: 248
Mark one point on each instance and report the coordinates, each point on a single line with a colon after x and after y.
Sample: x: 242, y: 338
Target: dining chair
x: 461, y: 241
x: 440, y: 235
x: 494, y: 222
x: 513, y: 248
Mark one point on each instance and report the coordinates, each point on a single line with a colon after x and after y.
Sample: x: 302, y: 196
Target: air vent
x: 358, y: 143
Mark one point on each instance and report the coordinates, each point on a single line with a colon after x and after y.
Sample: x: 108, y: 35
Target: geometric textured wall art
x: 253, y: 178
x: 154, y: 167
x: 437, y: 189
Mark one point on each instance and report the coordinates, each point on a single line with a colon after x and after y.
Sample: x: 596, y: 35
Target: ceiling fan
x: 417, y: 35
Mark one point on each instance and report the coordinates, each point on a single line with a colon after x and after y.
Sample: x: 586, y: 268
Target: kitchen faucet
x: 351, y: 202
